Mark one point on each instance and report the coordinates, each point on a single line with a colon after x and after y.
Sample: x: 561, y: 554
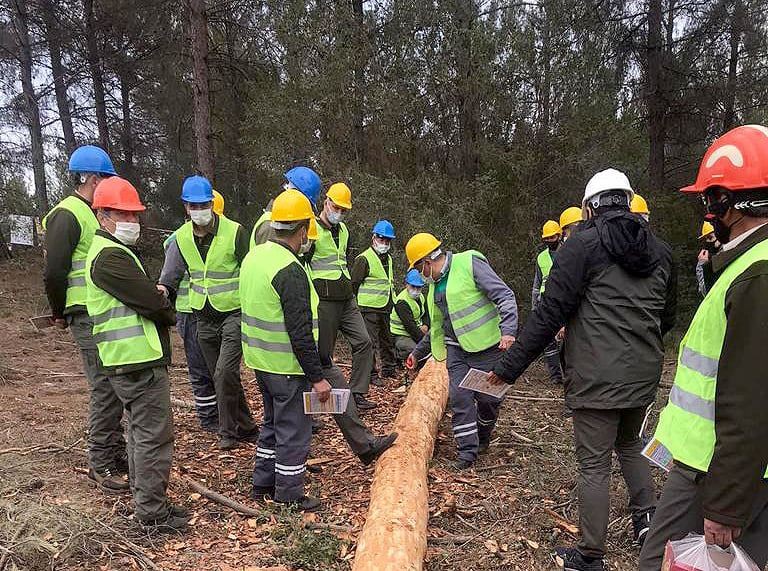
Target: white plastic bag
x: 693, y: 554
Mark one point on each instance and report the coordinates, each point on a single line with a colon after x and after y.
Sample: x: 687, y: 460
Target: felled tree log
x: 394, y: 537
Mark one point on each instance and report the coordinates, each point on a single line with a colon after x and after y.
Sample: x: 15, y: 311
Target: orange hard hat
x: 736, y: 161
x: 117, y: 193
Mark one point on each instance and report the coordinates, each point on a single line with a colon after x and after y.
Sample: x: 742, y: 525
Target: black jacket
x: 613, y: 286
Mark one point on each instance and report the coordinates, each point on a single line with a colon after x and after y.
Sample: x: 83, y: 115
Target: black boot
x: 379, y: 446
x: 363, y: 403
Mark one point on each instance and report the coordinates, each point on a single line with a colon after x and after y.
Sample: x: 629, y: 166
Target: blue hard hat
x: 197, y: 189
x: 90, y: 158
x: 413, y: 277
x: 384, y: 229
x: 306, y: 181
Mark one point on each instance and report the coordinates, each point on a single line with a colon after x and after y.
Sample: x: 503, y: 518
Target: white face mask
x: 127, y: 232
x: 201, y: 217
x: 305, y: 246
x: 414, y: 293
x: 381, y: 248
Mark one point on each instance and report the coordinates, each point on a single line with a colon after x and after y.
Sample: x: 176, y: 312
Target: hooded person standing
x: 213, y: 247
x: 613, y: 286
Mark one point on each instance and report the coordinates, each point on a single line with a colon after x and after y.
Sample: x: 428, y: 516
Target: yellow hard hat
x: 570, y: 215
x: 218, y: 202
x: 639, y: 205
x: 420, y: 246
x: 706, y: 230
x: 340, y: 195
x: 551, y: 228
x: 292, y: 206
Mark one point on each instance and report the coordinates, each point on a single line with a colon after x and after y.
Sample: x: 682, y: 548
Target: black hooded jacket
x: 613, y: 286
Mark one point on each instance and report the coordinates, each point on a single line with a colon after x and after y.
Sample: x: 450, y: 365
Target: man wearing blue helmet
x: 303, y: 179
x: 212, y: 248
x: 69, y: 230
x: 373, y: 284
x: 406, y: 322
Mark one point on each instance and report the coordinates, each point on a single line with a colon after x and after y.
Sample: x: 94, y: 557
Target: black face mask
x: 552, y: 246
x: 712, y: 247
x: 722, y: 231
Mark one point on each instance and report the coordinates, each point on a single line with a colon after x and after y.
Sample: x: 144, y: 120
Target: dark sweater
x: 360, y: 271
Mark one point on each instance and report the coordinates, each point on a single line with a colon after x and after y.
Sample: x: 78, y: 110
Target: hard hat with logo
x: 606, y: 180
x: 420, y: 246
x: 736, y: 161
x: 293, y: 206
x: 639, y: 205
x: 218, y: 202
x: 706, y: 230
x: 413, y: 278
x: 570, y: 215
x: 384, y: 229
x: 340, y: 195
x: 117, y: 193
x: 197, y: 190
x: 550, y: 228
x: 306, y: 181
x: 91, y: 159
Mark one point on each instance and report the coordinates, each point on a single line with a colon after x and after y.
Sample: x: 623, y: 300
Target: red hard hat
x: 118, y: 194
x: 736, y: 161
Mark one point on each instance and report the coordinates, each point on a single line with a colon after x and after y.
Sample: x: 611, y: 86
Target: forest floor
x: 507, y: 513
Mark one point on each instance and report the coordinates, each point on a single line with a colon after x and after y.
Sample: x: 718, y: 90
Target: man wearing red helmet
x: 130, y: 328
x: 713, y: 432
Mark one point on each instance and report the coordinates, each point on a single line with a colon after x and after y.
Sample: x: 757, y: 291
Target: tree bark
x: 199, y: 37
x: 53, y: 39
x: 359, y: 87
x: 655, y: 99
x: 395, y: 533
x: 32, y: 111
x: 465, y: 14
x: 126, y: 136
x: 94, y: 63
x: 729, y: 111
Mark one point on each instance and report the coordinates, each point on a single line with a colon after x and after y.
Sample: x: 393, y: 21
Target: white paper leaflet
x: 477, y: 380
x: 336, y: 404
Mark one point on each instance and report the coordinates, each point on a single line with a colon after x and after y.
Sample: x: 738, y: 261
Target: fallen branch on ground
x: 562, y: 523
x: 41, y: 448
x: 7, y: 553
x: 179, y: 403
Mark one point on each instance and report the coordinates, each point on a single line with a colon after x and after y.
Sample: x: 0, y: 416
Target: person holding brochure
x: 473, y: 320
x: 279, y: 336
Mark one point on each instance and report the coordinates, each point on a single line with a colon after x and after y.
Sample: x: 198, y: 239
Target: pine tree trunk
x: 52, y: 37
x: 32, y: 111
x: 94, y: 63
x: 655, y: 97
x: 126, y: 136
x: 465, y: 13
x: 199, y: 36
x: 729, y: 112
x: 359, y: 87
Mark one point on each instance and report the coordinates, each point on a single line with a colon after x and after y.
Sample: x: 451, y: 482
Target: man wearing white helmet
x: 613, y: 287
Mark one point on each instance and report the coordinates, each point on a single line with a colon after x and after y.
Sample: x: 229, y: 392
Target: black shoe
x: 641, y: 524
x: 121, y: 465
x: 304, y: 503
x: 317, y: 426
x: 363, y: 403
x: 376, y: 381
x: 251, y: 436
x: 169, y: 524
x: 227, y: 443
x: 389, y: 374
x: 109, y: 480
x: 483, y: 446
x: 179, y: 511
x: 462, y: 464
x: 262, y: 494
x: 378, y: 447
x: 212, y: 428
x: 570, y: 559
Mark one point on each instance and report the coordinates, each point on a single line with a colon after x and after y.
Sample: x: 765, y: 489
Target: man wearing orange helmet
x: 130, y: 328
x: 713, y: 432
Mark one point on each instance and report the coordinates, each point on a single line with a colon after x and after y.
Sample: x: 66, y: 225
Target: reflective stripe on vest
x: 86, y: 219
x: 263, y: 219
x: 544, y: 261
x: 182, y: 294
x: 396, y: 326
x: 687, y: 424
x: 329, y: 261
x: 122, y: 336
x: 266, y: 344
x: 474, y: 317
x: 376, y: 289
x: 216, y: 280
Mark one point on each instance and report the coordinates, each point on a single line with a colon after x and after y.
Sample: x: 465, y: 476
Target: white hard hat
x: 609, y: 179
